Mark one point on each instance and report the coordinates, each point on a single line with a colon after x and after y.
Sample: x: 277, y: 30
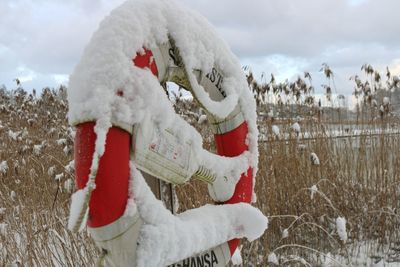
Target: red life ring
x: 108, y: 201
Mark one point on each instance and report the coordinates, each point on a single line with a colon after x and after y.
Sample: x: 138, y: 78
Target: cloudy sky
x: 42, y: 40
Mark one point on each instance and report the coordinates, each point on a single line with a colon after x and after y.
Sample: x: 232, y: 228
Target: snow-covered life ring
x: 121, y: 127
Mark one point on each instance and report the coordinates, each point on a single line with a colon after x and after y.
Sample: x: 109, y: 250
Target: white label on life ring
x: 167, y: 146
x: 160, y: 153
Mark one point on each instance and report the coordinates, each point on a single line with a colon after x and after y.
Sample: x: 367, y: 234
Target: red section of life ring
x: 108, y: 200
x: 233, y: 144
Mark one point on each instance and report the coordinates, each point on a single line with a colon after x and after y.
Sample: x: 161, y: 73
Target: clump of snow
x: 59, y: 176
x: 51, y: 171
x: 285, y: 233
x: 165, y: 238
x: 106, y: 68
x: 13, y: 135
x: 272, y: 258
x: 3, y: 167
x: 386, y: 101
x: 275, y: 130
x: 61, y: 142
x: 341, y: 228
x: 296, y: 127
x: 237, y: 257
x: 70, y: 167
x: 314, y: 159
x: 202, y: 119
x: 37, y: 149
x: 313, y: 189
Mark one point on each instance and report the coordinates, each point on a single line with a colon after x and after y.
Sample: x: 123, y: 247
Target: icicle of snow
x: 272, y: 258
x: 341, y: 228
x: 165, y: 239
x: 66, y: 150
x: 313, y: 189
x: 13, y: 135
x: 237, y: 257
x: 70, y: 167
x: 314, y: 159
x: 327, y: 260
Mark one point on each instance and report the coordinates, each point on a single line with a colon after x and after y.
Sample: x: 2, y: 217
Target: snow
x: 165, y: 238
x: 77, y: 205
x: 275, y: 130
x: 202, y: 119
x: 296, y: 127
x: 59, y: 176
x: 341, y: 228
x: 314, y: 159
x: 106, y: 67
x: 61, y: 141
x: 285, y: 233
x: 386, y: 101
x: 13, y: 195
x: 37, y: 149
x: 237, y: 257
x: 3, y: 167
x: 51, y: 171
x: 272, y: 258
x: 313, y: 189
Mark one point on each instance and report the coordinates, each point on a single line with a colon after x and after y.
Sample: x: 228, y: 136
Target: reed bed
x: 356, y: 179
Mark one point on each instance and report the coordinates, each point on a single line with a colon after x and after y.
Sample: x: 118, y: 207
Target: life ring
x: 108, y: 201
